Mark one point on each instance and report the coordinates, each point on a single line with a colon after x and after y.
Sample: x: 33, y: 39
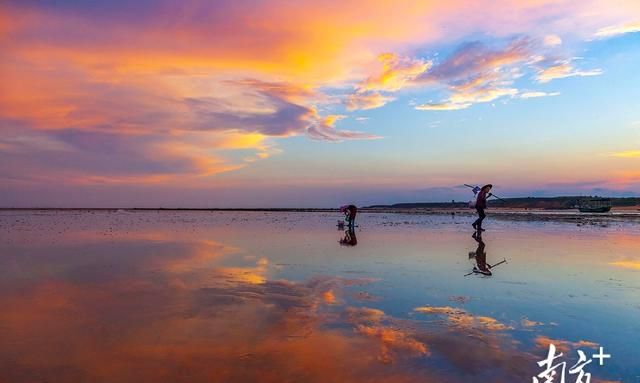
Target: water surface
x: 120, y: 296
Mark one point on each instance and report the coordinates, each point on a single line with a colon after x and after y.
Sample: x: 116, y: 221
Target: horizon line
x: 453, y: 201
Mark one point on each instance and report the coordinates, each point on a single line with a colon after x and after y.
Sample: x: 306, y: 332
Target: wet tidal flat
x: 167, y: 296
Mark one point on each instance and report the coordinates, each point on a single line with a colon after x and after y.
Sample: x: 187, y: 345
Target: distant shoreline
x: 616, y: 210
x: 169, y: 209
x: 617, y: 214
x: 522, y: 204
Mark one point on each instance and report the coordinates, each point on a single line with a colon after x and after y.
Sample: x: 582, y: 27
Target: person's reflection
x: 480, y: 255
x: 349, y: 237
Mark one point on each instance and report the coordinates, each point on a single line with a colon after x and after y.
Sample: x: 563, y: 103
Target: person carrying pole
x: 481, y: 204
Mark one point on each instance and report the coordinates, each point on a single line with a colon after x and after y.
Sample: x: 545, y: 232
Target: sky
x: 315, y: 103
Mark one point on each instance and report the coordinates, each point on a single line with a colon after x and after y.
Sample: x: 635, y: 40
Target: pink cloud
x: 162, y: 86
x: 476, y: 73
x: 366, y: 100
x: 324, y: 129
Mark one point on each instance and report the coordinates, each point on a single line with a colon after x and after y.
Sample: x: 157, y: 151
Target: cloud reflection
x: 162, y: 304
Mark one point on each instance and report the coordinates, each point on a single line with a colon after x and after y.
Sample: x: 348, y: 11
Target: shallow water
x: 106, y: 296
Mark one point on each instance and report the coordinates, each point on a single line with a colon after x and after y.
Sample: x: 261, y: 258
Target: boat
x: 595, y: 205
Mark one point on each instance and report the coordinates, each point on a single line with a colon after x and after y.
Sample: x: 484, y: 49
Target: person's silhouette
x: 349, y: 237
x: 481, y: 204
x: 480, y: 256
x: 349, y: 212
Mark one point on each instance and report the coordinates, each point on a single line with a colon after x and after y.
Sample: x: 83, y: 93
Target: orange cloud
x: 627, y: 264
x: 492, y: 324
x: 160, y: 81
x: 563, y: 69
x: 439, y: 310
x: 526, y: 322
x: 366, y: 100
x: 203, y: 255
x: 468, y: 321
x: 543, y: 342
x: 396, y: 72
x: 627, y: 154
x: 460, y: 319
x: 369, y: 322
x: 188, y: 137
x: 393, y: 339
x: 329, y: 297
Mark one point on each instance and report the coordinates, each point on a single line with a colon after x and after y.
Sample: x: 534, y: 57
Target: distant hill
x: 568, y: 202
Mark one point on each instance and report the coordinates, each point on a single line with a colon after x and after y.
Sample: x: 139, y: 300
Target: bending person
x: 350, y: 212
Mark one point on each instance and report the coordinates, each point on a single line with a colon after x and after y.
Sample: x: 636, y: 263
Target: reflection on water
x: 481, y: 266
x: 349, y: 238
x: 480, y: 255
x: 271, y: 297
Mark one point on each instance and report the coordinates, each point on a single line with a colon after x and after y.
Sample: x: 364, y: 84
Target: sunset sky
x: 315, y: 103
